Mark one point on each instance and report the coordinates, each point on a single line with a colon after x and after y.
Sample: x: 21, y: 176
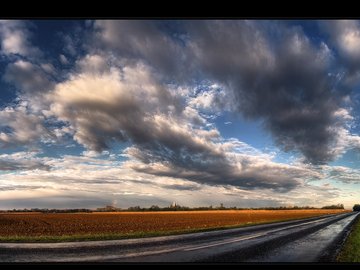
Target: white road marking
x: 226, y: 242
x: 297, y: 225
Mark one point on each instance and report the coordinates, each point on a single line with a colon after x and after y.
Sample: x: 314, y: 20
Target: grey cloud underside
x: 227, y: 176
x: 28, y: 77
x: 144, y: 41
x: 166, y: 138
x: 182, y: 187
x: 274, y: 72
x: 283, y: 81
x: 10, y: 165
x: 344, y: 174
x: 119, y: 117
x: 20, y: 187
x: 202, y: 164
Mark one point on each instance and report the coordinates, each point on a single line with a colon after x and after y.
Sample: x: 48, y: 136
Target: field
x: 351, y: 250
x: 95, y: 226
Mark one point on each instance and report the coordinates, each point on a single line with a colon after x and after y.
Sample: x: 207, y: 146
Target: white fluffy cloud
x: 116, y: 105
x: 19, y: 127
x: 15, y: 39
x: 347, y: 36
x: 106, y: 180
x: 212, y: 99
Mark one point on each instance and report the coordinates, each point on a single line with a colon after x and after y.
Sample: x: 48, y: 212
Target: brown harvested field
x: 133, y: 223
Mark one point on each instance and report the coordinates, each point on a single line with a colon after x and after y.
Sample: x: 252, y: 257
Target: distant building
x: 173, y: 205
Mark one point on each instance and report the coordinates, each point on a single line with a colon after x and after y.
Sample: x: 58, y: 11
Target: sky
x: 248, y: 113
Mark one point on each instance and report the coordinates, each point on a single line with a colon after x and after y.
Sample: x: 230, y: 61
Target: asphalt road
x: 308, y: 240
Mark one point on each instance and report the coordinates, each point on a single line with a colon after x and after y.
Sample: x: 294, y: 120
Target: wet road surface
x: 307, y: 240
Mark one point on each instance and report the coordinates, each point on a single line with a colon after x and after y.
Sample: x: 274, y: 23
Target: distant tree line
x: 284, y: 208
x: 356, y: 207
x: 207, y: 208
x: 334, y: 206
x: 155, y: 208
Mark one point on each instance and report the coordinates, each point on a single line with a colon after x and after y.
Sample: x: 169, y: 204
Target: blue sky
x: 246, y: 113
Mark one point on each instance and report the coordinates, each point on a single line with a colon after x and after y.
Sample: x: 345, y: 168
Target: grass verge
x: 351, y: 249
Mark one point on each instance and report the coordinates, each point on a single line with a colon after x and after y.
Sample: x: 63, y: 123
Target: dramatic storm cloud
x: 263, y: 112
x: 270, y: 71
x: 276, y: 75
x: 168, y: 137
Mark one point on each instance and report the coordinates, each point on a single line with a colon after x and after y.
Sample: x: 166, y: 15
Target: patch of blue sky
x: 350, y: 159
x: 250, y: 132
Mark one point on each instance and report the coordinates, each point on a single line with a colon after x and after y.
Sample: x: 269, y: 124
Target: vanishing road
x: 307, y: 240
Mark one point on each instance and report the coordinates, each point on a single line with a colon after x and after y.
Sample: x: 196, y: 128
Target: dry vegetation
x: 22, y: 225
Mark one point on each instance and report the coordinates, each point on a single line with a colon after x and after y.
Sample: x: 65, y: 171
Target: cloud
x: 145, y: 41
x: 29, y: 78
x: 106, y: 180
x: 287, y: 87
x: 19, y: 187
x: 156, y: 87
x: 19, y: 127
x: 63, y: 59
x: 343, y: 174
x: 74, y: 40
x: 345, y: 35
x: 267, y: 71
x: 114, y: 106
x: 344, y: 39
x: 276, y: 75
x: 7, y: 165
x: 15, y: 39
x: 93, y: 63
x: 212, y: 99
x: 231, y: 169
x: 21, y: 161
x: 182, y: 187
x: 168, y: 137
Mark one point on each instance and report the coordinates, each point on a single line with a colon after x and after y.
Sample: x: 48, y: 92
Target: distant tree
x: 134, y: 208
x: 155, y: 208
x: 334, y: 206
x: 356, y: 207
